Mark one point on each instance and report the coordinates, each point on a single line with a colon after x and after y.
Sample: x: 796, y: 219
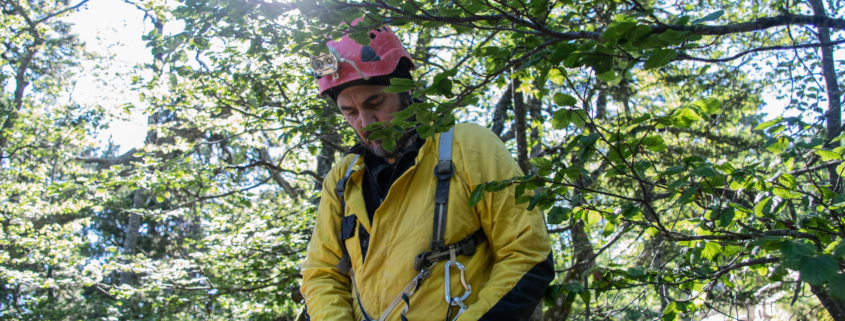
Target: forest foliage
x: 671, y: 189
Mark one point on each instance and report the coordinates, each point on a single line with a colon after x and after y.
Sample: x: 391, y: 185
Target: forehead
x: 358, y: 94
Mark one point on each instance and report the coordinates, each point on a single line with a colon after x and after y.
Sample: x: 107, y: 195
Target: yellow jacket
x: 508, y: 273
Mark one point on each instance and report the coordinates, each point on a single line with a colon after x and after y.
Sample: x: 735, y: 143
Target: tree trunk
x: 520, y: 127
x: 836, y: 308
x: 583, y: 252
x: 131, y: 239
x: 834, y: 113
x: 500, y: 112
x: 601, y: 102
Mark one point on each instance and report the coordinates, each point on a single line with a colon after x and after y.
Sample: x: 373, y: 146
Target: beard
x: 375, y: 146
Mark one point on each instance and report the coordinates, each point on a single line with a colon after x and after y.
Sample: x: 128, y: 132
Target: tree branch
x: 105, y: 163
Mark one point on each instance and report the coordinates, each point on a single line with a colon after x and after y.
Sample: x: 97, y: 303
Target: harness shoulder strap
x: 345, y: 263
x: 340, y: 188
x: 443, y: 172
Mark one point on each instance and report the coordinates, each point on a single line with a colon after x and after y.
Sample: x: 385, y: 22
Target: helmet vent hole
x: 369, y: 55
x: 372, y: 35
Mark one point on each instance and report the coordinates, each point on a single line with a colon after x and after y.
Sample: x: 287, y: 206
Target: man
x: 379, y: 250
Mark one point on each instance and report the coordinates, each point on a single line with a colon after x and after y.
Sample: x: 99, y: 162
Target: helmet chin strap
x: 339, y: 59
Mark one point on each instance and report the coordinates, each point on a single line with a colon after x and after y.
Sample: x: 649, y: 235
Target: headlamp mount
x: 329, y: 64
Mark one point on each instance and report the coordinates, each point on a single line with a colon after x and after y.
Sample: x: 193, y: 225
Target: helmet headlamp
x: 325, y: 65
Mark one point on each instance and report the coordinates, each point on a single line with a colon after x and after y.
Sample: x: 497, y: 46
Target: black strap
x: 464, y: 247
x: 443, y: 172
x: 439, y: 250
x: 345, y: 263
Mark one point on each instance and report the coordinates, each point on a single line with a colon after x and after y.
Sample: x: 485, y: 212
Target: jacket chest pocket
x: 355, y: 239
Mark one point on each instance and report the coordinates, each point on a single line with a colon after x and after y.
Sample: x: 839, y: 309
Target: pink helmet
x: 380, y: 58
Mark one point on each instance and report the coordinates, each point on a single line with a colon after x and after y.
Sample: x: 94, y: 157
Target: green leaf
x: 709, y: 105
x: 770, y: 123
x: 593, y: 217
x: 839, y: 250
x: 585, y: 296
x: 652, y: 140
x: 778, y: 145
x: 441, y: 76
x: 397, y: 89
x: 689, y: 193
x: 558, y: 215
x: 541, y: 162
x: 788, y: 181
x: 726, y: 217
x: 575, y: 287
x: 617, y: 30
x: 562, y: 51
x: 641, y: 119
x: 562, y: 99
x: 837, y: 286
x: 827, y: 155
x: 670, y: 312
x: 609, y: 228
x: 816, y: 270
x: 476, y: 195
x: 710, y: 250
x: 638, y: 33
x: 560, y: 119
x: 673, y: 37
x: 389, y: 143
x: 552, y: 293
x: 674, y: 170
x: 660, y: 58
x: 710, y: 17
x: 770, y: 243
x: 579, y: 118
x: 684, y: 117
x: 809, y: 142
x: 607, y: 76
x: 704, y: 171
x: 763, y: 208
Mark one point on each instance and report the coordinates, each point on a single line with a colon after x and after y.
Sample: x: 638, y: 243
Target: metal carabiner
x: 467, y: 288
x: 460, y: 311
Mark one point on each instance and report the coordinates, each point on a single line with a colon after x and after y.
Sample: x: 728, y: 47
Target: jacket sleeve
x: 523, y: 263
x: 327, y: 292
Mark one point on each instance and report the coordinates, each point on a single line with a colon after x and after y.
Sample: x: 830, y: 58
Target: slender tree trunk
x: 131, y: 240
x: 500, y: 112
x: 836, y: 308
x: 834, y: 112
x: 601, y: 102
x: 20, y: 87
x: 519, y: 115
x: 583, y: 251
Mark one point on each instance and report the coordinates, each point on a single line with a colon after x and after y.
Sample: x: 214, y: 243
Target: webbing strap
x: 340, y: 188
x: 443, y: 172
x: 464, y: 247
x: 444, y: 155
x: 404, y: 296
x: 345, y: 263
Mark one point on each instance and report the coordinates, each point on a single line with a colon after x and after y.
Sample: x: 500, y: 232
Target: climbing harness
x: 424, y: 262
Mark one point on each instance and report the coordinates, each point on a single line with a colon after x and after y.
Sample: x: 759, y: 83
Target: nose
x: 366, y: 118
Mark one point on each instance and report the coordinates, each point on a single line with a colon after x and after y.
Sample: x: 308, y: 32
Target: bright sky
x: 112, y: 27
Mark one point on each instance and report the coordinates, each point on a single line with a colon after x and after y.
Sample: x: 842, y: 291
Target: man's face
x: 367, y: 104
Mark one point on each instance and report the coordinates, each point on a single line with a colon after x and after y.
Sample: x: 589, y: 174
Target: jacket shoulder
x: 337, y: 171
x: 473, y: 134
